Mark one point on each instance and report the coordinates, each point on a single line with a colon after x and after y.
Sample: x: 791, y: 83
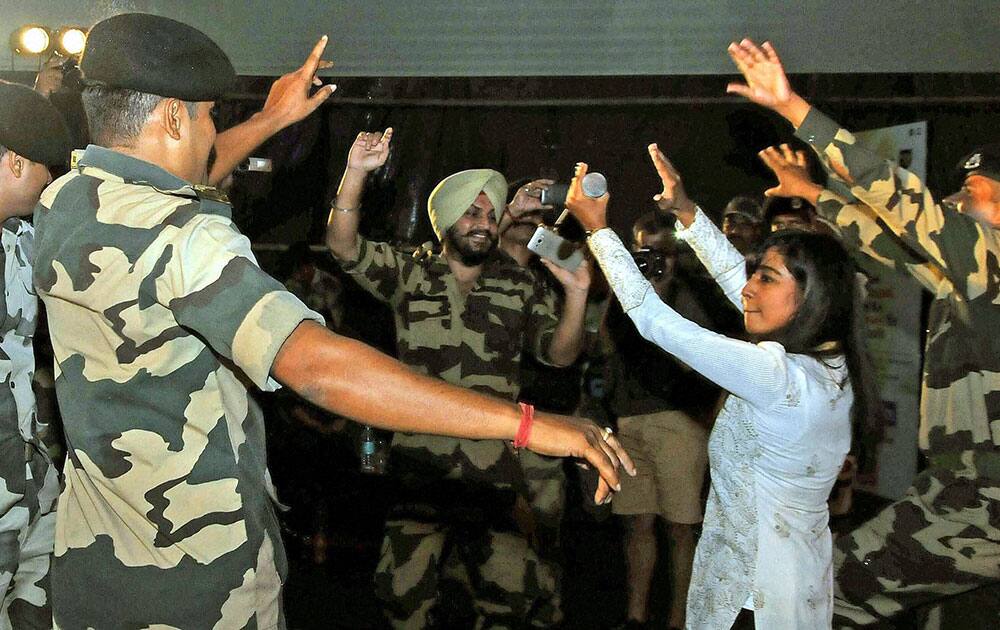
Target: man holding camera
x: 160, y: 320
x: 464, y: 316
x: 663, y: 410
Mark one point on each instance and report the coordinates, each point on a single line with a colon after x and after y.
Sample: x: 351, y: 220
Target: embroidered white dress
x: 774, y: 452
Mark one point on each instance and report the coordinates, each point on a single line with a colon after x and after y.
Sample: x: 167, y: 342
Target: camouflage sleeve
x: 861, y: 229
x: 542, y: 319
x: 211, y: 283
x: 957, y: 244
x: 378, y: 269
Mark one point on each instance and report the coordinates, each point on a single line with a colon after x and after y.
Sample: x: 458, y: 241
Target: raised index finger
x: 663, y: 166
x: 312, y: 61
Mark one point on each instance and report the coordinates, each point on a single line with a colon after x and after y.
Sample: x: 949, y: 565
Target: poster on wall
x: 892, y: 316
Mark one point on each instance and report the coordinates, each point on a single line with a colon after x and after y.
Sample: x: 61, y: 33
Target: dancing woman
x: 782, y: 435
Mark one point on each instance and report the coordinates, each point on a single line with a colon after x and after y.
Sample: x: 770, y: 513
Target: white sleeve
x: 724, y: 263
x: 757, y: 373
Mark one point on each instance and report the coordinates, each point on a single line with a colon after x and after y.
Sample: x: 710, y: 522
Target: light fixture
x: 70, y: 41
x: 31, y: 39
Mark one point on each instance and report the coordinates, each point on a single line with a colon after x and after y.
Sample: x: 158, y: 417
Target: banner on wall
x: 892, y: 315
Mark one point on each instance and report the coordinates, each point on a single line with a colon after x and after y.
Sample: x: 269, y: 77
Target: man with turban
x: 464, y: 316
x: 161, y: 321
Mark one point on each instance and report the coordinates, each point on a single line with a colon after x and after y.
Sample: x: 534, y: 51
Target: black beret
x: 31, y: 126
x: 775, y: 206
x: 983, y: 161
x: 156, y: 55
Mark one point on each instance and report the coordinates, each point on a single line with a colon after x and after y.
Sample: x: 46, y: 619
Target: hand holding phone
x: 549, y: 245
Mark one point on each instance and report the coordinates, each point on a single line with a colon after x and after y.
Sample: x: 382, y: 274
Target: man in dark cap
x: 160, y: 321
x: 943, y: 536
x: 32, y: 137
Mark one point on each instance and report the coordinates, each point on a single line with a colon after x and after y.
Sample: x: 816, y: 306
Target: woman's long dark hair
x: 829, y: 319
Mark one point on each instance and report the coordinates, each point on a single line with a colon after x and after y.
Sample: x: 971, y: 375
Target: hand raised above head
x: 370, y: 150
x: 790, y: 167
x: 589, y: 211
x: 766, y: 81
x: 289, y: 101
x: 673, y: 198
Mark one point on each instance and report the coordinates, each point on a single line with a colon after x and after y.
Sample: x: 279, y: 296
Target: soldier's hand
x: 564, y: 436
x: 369, y: 151
x: 590, y: 212
x: 528, y: 199
x: 289, y: 101
x: 766, y: 81
x: 793, y: 177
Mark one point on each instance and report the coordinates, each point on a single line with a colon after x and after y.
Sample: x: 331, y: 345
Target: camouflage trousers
x: 513, y: 576
x: 27, y: 532
x: 941, y: 539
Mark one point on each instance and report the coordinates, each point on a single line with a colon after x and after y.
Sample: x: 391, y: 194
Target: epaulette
x: 213, y: 200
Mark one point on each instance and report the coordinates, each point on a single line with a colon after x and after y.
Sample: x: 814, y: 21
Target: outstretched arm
x: 288, y: 102
x: 349, y: 378
x: 757, y: 374
x: 858, y: 225
x: 899, y: 198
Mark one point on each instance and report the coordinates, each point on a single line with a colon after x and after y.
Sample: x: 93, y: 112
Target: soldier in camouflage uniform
x: 161, y: 320
x: 32, y: 137
x: 462, y: 316
x: 943, y: 536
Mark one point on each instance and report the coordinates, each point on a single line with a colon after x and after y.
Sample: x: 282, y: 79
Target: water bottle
x: 374, y: 452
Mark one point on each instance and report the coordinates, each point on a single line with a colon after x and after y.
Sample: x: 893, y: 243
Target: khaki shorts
x: 670, y: 452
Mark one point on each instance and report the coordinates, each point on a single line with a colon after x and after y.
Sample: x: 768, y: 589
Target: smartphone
x: 549, y: 245
x: 256, y: 164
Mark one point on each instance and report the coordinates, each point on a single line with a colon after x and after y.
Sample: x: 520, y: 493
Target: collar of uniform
x: 134, y: 171
x: 14, y: 225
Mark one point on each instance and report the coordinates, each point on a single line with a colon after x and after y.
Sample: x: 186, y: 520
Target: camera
x: 652, y: 263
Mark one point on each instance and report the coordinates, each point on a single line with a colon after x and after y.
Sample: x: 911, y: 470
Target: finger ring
x: 607, y: 433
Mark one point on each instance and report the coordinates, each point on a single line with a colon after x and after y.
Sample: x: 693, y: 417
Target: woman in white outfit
x: 785, y: 428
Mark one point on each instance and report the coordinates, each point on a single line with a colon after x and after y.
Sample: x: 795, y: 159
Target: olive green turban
x: 452, y: 197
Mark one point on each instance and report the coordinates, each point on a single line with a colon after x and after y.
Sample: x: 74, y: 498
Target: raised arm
x: 287, y: 102
x: 755, y: 373
x: 857, y: 224
x: 369, y: 152
x: 899, y: 198
x: 724, y: 262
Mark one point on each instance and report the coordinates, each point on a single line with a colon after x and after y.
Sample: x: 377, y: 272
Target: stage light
x: 31, y: 39
x: 70, y: 41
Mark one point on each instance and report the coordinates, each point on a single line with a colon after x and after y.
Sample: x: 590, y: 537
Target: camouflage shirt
x: 17, y: 328
x: 955, y: 258
x: 160, y: 319
x: 474, y: 341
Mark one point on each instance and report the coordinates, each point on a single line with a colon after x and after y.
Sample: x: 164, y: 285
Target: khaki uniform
x: 29, y: 483
x: 943, y: 536
x: 461, y: 494
x: 160, y: 317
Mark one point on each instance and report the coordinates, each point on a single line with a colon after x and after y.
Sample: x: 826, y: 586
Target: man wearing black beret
x: 161, y: 320
x: 32, y: 137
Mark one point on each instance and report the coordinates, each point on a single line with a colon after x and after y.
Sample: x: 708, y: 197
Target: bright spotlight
x: 70, y: 41
x: 32, y: 39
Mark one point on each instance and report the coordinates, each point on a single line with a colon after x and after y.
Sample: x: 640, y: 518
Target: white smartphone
x: 549, y: 245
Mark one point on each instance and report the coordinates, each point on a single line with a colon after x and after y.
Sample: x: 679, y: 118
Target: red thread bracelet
x: 524, y: 429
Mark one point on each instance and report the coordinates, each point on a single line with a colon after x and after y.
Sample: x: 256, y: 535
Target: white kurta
x: 774, y: 452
